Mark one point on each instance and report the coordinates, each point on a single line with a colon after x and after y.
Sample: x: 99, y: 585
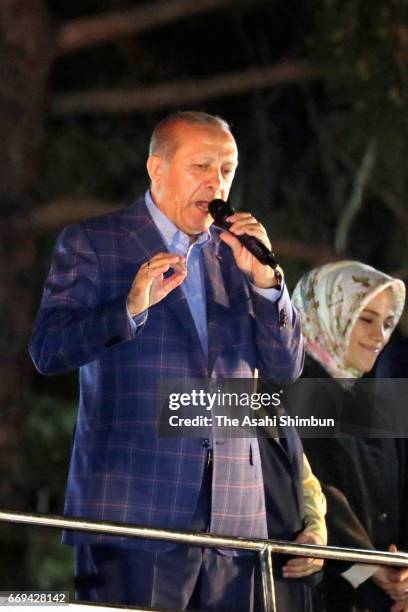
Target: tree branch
x: 182, y: 93
x: 394, y: 201
x: 335, y: 183
x: 313, y: 254
x: 92, y: 31
x: 53, y: 215
x: 356, y: 198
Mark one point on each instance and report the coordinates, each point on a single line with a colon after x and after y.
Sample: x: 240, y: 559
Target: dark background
x: 316, y: 92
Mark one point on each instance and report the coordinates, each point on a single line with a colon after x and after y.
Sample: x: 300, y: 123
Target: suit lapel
x: 147, y: 241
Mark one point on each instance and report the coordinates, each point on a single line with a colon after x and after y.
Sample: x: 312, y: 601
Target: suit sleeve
x: 279, y: 338
x: 75, y: 325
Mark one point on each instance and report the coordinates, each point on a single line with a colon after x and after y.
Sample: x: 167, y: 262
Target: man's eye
x: 365, y: 319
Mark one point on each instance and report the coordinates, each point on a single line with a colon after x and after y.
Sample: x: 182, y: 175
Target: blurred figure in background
x: 349, y: 311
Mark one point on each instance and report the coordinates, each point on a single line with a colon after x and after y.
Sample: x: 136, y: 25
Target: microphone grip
x: 258, y: 250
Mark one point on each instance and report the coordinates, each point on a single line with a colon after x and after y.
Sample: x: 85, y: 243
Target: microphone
x: 220, y: 210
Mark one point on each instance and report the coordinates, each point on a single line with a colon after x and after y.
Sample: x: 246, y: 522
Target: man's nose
x: 215, y: 179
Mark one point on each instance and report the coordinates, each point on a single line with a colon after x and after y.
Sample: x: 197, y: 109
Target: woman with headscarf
x: 348, y: 312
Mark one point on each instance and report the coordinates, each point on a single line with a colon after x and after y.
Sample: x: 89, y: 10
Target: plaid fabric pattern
x: 120, y: 469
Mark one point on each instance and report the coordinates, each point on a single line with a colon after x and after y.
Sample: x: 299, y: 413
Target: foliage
x: 46, y: 448
x: 77, y: 150
x: 32, y: 558
x: 50, y: 565
x: 361, y: 46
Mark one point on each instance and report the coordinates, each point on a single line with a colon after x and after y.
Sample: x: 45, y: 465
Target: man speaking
x: 139, y: 296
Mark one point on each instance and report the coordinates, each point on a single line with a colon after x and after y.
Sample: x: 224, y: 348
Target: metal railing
x: 264, y: 548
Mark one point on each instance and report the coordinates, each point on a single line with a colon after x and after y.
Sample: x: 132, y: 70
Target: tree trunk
x: 25, y: 60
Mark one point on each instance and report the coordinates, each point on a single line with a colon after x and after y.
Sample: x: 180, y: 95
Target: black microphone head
x: 220, y: 210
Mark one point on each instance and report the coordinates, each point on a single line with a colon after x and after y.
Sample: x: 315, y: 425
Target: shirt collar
x: 171, y: 234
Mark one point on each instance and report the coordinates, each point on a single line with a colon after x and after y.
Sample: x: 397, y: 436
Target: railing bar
x: 208, y: 540
x: 205, y: 539
x: 268, y: 586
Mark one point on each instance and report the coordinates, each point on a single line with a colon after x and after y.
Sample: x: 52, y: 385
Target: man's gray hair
x: 164, y: 142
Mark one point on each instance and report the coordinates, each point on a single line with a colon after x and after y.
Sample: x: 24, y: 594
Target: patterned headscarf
x: 330, y: 299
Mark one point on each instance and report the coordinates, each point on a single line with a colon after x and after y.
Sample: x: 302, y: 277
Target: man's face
x: 201, y: 169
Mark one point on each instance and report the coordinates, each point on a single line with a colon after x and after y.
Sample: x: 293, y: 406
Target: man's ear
x: 154, y: 166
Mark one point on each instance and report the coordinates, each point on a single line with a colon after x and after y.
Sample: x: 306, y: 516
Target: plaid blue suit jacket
x: 120, y: 469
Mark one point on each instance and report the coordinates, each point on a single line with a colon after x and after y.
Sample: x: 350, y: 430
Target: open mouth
x: 203, y: 206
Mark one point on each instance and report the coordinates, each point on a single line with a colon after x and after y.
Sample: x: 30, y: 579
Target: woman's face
x: 371, y: 331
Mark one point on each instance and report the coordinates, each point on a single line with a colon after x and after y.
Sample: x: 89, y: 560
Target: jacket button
x: 205, y: 443
x: 383, y: 517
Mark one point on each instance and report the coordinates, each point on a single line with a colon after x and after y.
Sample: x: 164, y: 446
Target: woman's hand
x: 304, y: 566
x: 394, y: 582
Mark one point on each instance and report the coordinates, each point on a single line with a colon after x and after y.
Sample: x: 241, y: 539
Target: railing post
x: 268, y: 587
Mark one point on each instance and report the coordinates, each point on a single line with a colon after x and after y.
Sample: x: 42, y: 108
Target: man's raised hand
x: 149, y: 285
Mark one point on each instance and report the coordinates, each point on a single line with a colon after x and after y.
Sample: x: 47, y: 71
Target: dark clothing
x: 282, y: 466
x: 205, y: 576
x: 393, y: 361
x: 209, y: 580
x: 361, y: 479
